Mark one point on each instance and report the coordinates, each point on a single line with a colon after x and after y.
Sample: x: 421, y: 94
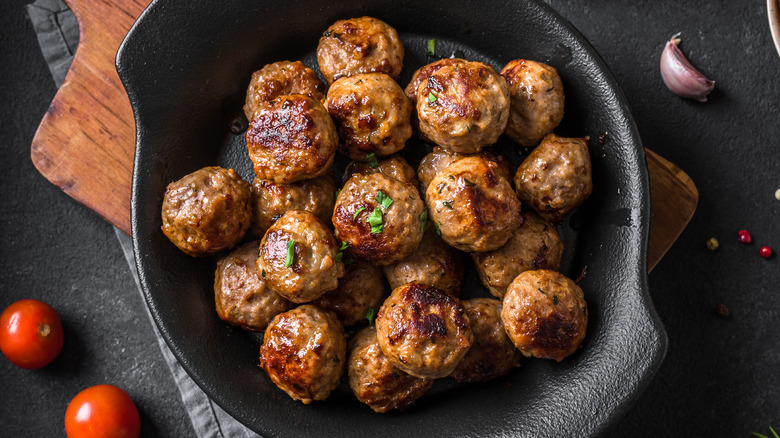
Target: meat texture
x: 271, y: 200
x: 281, y: 78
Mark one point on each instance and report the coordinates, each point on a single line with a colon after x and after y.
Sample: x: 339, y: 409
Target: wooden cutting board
x: 86, y: 140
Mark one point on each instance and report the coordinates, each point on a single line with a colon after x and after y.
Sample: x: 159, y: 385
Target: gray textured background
x: 720, y: 376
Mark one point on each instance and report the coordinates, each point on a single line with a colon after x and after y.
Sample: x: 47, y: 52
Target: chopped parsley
x: 468, y: 128
x: 469, y: 183
x: 290, y: 253
x: 431, y: 47
x: 441, y: 187
x: 371, y: 160
x: 376, y: 222
x: 543, y: 292
x: 438, y: 230
x: 357, y: 212
x: 343, y: 246
x: 448, y: 204
x: 424, y: 218
x: 383, y: 199
x: 340, y: 254
x: 262, y: 273
x: 431, y: 97
x: 370, y: 315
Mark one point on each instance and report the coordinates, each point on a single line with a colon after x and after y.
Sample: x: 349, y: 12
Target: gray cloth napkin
x: 58, y: 36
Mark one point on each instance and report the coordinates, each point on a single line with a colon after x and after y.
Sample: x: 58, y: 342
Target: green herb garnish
x: 438, y: 230
x: 555, y: 299
x: 468, y: 128
x: 543, y: 292
x: 383, y: 199
x: 424, y: 218
x: 370, y: 315
x: 371, y: 160
x: 448, y: 204
x: 764, y: 436
x: 375, y: 220
x: 469, y: 183
x: 262, y: 273
x: 431, y: 97
x: 357, y: 212
x: 431, y: 47
x: 441, y: 187
x: 290, y: 253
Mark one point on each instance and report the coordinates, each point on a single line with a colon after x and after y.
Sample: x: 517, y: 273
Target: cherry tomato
x: 30, y: 334
x: 102, y: 411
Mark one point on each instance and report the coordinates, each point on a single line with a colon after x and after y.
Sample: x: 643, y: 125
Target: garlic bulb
x: 680, y: 76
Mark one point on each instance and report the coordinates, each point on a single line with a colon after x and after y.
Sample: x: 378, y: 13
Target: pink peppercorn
x: 765, y: 252
x: 744, y: 236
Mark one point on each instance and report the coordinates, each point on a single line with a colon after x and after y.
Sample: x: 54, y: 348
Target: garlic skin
x: 680, y: 76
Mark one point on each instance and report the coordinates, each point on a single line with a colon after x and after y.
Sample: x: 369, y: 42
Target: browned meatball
x: 434, y: 263
x: 536, y: 95
x: 534, y: 245
x: 362, y: 287
x: 291, y: 138
x: 374, y: 379
x: 440, y: 158
x: 474, y: 208
x: 371, y: 114
x: 360, y: 45
x: 206, y: 211
x: 423, y: 331
x: 393, y: 166
x: 281, y: 78
x: 271, y: 200
x: 304, y: 353
x: 493, y: 354
x: 379, y: 217
x: 545, y: 314
x: 555, y: 177
x: 240, y: 293
x: 463, y: 107
x: 298, y: 256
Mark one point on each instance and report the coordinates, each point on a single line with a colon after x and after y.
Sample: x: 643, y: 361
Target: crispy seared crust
x: 304, y: 353
x: 545, y: 314
x: 423, y: 331
x: 281, y: 78
x: 291, y: 138
x: 359, y: 45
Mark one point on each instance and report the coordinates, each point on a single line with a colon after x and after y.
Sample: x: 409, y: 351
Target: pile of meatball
x: 326, y: 255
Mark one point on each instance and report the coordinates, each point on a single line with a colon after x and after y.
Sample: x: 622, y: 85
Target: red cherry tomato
x: 30, y: 334
x: 102, y: 411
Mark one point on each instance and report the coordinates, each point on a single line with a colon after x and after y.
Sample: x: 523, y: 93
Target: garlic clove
x: 680, y: 76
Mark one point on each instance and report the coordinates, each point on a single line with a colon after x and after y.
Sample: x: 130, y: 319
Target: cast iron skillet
x: 186, y: 65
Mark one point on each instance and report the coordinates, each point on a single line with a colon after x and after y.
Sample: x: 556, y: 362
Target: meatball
x: 493, y: 354
x: 473, y: 207
x: 374, y: 379
x: 304, y: 353
x: 282, y: 78
x: 434, y: 263
x: 361, y: 288
x: 394, y: 167
x: 440, y: 158
x: 463, y: 107
x: 536, y: 100
x: 298, y: 256
x: 423, y: 331
x: 379, y: 217
x: 291, y: 138
x: 545, y: 314
x: 240, y: 293
x: 360, y: 45
x: 534, y: 245
x: 206, y: 211
x: 371, y: 114
x: 271, y: 200
x: 555, y: 177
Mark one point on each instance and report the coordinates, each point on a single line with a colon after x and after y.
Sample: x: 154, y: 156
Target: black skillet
x: 186, y: 65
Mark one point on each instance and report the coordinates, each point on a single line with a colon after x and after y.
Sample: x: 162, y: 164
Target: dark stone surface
x: 720, y: 376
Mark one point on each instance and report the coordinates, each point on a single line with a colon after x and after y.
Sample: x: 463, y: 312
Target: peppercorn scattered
x: 713, y: 244
x: 744, y: 236
x: 722, y: 311
x: 765, y: 252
